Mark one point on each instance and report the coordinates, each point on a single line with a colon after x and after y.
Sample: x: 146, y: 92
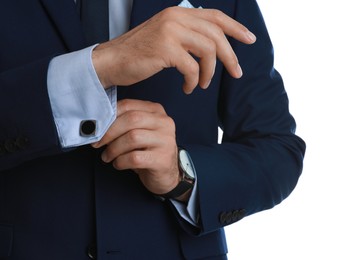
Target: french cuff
x: 189, y: 211
x: 83, y: 111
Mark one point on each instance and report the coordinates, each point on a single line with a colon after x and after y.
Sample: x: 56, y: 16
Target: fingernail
x: 239, y: 71
x: 187, y: 91
x: 104, y: 157
x: 207, y: 85
x: 251, y: 36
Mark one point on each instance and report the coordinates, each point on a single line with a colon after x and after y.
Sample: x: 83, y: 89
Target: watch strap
x: 182, y: 187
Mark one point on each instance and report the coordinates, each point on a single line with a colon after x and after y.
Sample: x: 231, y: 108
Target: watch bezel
x: 186, y: 165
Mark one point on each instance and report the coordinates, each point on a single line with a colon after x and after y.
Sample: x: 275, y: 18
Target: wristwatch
x: 188, y: 176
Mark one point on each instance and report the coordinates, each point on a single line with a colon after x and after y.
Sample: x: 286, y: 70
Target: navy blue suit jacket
x: 54, y: 203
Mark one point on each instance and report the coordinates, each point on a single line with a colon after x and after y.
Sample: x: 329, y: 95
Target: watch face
x: 186, y: 164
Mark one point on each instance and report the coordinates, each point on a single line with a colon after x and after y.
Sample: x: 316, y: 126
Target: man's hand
x: 167, y: 40
x: 143, y: 139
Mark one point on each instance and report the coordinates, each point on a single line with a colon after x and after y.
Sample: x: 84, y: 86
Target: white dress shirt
x: 76, y: 94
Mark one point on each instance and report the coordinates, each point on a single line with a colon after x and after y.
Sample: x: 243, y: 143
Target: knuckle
x: 134, y: 136
x: 210, y: 46
x: 168, y: 28
x: 192, y: 67
x: 218, y: 33
x: 124, y: 104
x: 169, y: 18
x: 170, y: 12
x: 170, y: 123
x: 136, y: 159
x: 134, y: 117
x: 216, y: 14
x: 158, y: 107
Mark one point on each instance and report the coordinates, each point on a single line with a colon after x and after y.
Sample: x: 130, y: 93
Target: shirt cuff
x: 76, y: 95
x: 190, y: 211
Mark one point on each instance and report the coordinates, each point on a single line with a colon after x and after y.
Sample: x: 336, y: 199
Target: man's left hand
x: 143, y: 139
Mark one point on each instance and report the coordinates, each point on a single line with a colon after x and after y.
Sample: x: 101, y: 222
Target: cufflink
x: 88, y: 128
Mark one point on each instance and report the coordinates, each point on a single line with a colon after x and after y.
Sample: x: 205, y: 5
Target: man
x: 154, y: 183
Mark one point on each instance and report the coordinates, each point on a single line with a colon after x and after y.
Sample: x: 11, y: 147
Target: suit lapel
x: 64, y: 15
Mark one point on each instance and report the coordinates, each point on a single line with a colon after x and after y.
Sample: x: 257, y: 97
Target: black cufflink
x: 88, y: 128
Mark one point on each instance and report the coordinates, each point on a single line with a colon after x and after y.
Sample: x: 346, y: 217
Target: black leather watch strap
x: 182, y: 187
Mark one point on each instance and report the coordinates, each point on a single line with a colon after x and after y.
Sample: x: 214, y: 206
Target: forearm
x: 260, y: 159
x: 244, y: 177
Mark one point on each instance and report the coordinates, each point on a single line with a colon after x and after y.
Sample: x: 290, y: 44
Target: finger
x: 126, y: 105
x: 205, y: 49
x: 189, y: 68
x: 128, y: 121
x: 192, y: 42
x: 232, y: 27
x: 136, y: 160
x: 207, y: 69
x: 229, y: 26
x: 227, y: 56
x: 223, y: 49
x: 137, y: 139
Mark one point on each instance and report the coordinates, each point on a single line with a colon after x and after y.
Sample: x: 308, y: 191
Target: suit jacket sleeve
x: 260, y: 159
x: 27, y: 129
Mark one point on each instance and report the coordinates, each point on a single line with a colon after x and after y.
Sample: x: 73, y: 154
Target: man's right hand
x: 167, y: 40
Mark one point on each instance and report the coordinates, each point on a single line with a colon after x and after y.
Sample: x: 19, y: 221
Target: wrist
x: 99, y: 62
x: 187, y: 176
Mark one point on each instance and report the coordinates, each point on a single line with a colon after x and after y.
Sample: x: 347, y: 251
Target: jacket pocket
x: 6, y: 240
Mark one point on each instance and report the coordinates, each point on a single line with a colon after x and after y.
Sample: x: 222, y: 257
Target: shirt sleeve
x: 76, y: 96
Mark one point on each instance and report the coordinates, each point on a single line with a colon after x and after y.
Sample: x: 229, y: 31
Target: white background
x: 311, y: 42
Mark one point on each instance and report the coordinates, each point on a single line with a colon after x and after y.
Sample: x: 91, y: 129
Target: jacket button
x: 21, y: 142
x: 2, y: 149
x: 223, y: 218
x: 10, y: 146
x: 92, y: 251
x: 230, y: 217
x: 241, y: 213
